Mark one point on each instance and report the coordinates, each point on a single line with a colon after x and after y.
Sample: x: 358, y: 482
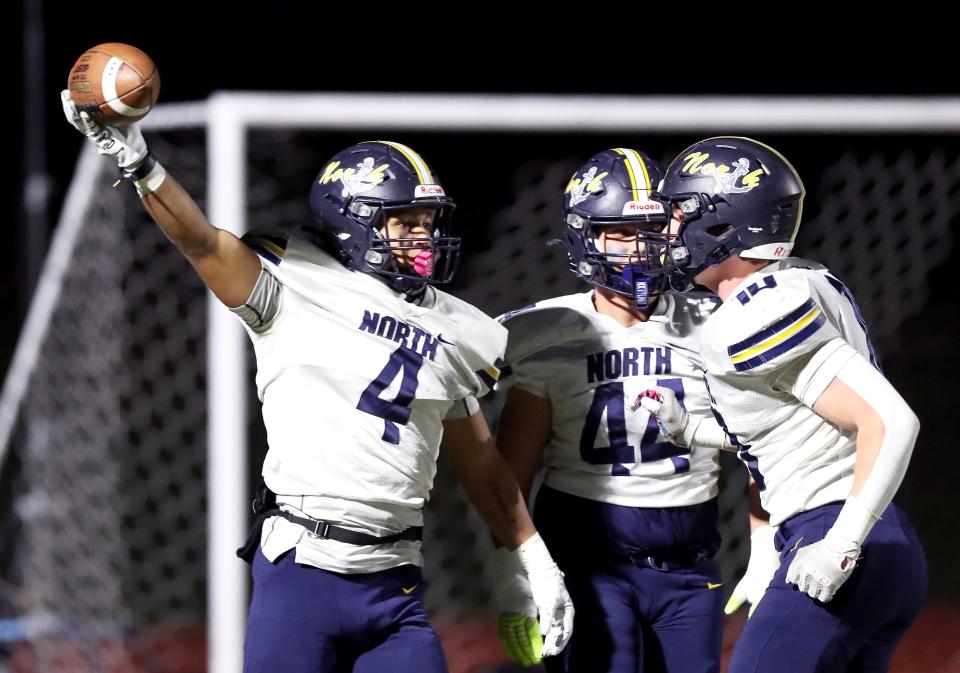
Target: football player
x: 629, y: 514
x: 362, y: 366
x: 794, y: 381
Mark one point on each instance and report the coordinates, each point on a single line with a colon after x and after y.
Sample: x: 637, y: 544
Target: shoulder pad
x: 270, y: 246
x: 541, y: 325
x: 571, y: 303
x: 481, y: 339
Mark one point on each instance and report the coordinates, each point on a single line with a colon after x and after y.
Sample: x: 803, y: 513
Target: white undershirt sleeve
x: 263, y: 304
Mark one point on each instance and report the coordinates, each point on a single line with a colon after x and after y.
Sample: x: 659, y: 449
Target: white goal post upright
x: 227, y: 449
x: 229, y: 116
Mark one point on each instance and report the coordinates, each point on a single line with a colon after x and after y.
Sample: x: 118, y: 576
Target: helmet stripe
x: 419, y: 165
x: 636, y: 168
x: 633, y: 177
x: 643, y: 169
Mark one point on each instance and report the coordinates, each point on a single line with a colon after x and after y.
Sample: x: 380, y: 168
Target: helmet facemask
x: 631, y: 266
x: 439, y: 253
x: 701, y: 228
x: 352, y: 200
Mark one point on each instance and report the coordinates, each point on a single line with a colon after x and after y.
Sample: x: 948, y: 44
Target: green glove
x: 520, y: 638
x: 517, y: 623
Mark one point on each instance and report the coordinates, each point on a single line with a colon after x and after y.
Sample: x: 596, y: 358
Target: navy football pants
x: 631, y: 617
x: 307, y: 620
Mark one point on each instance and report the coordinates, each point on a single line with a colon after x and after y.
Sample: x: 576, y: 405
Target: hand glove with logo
x: 821, y: 568
x: 124, y: 145
x: 549, y: 594
x: 517, y: 624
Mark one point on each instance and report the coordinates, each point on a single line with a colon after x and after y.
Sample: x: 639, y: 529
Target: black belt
x: 328, y: 531
x: 265, y: 506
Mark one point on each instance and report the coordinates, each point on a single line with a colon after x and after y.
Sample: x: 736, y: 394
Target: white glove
x: 549, y: 594
x: 680, y: 427
x: 763, y: 563
x: 662, y: 403
x: 821, y: 568
x: 517, y: 625
x: 125, y: 145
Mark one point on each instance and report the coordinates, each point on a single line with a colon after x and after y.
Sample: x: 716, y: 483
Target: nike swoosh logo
x: 444, y: 341
x: 796, y: 545
x: 711, y: 585
x: 410, y: 590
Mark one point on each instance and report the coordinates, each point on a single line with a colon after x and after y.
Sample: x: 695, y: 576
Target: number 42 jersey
x: 592, y: 368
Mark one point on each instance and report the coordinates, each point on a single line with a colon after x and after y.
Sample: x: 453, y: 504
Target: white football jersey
x: 355, y: 382
x: 770, y: 350
x: 592, y: 368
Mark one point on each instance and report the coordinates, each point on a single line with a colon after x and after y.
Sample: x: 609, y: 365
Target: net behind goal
x: 127, y: 473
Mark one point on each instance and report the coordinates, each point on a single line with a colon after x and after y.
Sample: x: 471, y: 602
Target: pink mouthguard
x: 423, y: 263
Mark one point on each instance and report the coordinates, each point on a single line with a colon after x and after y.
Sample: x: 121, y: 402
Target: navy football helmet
x: 354, y: 195
x: 613, y: 188
x: 734, y: 196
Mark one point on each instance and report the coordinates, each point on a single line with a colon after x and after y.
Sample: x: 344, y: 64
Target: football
x: 115, y: 83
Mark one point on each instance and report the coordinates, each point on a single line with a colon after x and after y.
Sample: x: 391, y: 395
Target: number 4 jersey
x: 592, y: 368
x: 355, y: 382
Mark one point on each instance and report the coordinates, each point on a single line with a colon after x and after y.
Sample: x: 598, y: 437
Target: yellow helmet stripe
x: 636, y: 168
x: 424, y: 174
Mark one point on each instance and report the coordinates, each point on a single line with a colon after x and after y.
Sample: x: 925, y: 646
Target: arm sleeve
x: 839, y: 360
x: 263, y: 304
